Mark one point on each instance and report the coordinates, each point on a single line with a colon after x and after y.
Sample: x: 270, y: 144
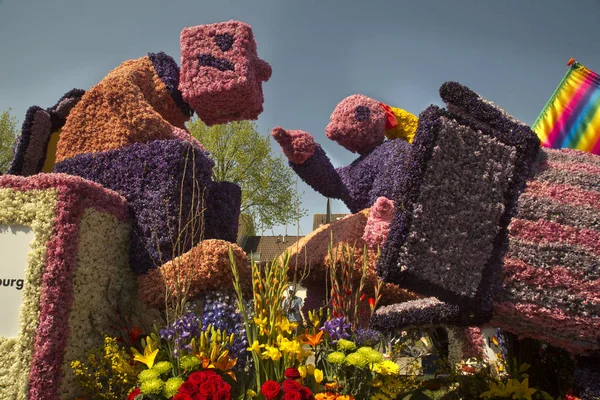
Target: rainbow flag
x: 571, y: 118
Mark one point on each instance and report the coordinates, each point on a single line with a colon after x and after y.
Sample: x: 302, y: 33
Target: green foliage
x: 243, y: 156
x: 8, y: 136
x: 552, y: 368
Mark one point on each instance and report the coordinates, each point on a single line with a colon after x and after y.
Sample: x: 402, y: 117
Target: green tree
x: 8, y: 136
x: 243, y: 156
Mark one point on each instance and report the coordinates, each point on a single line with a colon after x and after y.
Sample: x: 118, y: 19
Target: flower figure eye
x: 224, y: 41
x: 362, y: 113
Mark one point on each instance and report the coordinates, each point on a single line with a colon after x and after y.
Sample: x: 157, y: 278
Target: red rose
x: 223, y: 386
x: 198, y: 396
x: 132, y: 395
x: 202, y: 376
x: 208, y: 388
x: 292, y: 373
x: 222, y: 395
x: 182, y: 396
x: 290, y: 385
x: 306, y: 393
x: 188, y: 387
x: 294, y: 395
x: 270, y: 389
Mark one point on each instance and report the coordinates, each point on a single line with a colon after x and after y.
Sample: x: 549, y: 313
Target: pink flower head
x: 221, y: 75
x: 358, y: 124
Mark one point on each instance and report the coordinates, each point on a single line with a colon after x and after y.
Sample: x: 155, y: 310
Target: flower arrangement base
x: 77, y: 269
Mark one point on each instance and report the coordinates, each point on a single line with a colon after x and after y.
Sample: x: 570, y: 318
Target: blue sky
x: 513, y: 53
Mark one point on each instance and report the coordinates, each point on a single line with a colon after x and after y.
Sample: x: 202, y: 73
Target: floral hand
x: 297, y: 145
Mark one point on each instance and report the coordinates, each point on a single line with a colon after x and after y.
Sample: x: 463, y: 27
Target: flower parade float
x: 476, y: 225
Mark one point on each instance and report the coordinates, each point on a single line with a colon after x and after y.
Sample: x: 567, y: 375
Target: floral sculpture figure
x: 500, y: 231
x: 128, y: 134
x: 360, y: 124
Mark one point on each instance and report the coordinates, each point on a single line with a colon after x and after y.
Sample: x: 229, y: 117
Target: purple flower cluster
x: 150, y: 177
x: 367, y: 337
x: 167, y: 70
x: 337, y: 328
x: 415, y: 313
x: 180, y: 333
x: 220, y: 311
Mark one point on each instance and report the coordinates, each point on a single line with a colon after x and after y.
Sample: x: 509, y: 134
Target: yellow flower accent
x: 310, y: 368
x: 495, y: 341
x: 407, y: 125
x: 387, y: 367
x: 498, y: 389
x: 271, y: 352
x: 251, y: 393
x: 522, y: 390
x: 286, y: 326
x: 150, y: 352
x: 302, y: 370
x: 262, y: 324
x: 318, y: 375
x: 344, y: 397
x: 255, y: 347
x: 314, y: 318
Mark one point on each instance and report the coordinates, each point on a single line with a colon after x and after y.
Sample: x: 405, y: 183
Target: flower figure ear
x: 390, y: 118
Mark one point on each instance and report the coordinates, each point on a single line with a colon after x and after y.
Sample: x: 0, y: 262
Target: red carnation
x: 270, y: 389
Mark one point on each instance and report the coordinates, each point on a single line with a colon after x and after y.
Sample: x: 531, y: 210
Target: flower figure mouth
x: 222, y: 64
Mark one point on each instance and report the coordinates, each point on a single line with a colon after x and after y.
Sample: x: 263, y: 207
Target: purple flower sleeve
x: 318, y: 172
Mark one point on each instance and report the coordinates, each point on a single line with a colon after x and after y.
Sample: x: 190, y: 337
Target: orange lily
x: 313, y: 339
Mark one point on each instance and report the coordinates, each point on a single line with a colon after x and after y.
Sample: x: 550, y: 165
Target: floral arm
x: 310, y: 162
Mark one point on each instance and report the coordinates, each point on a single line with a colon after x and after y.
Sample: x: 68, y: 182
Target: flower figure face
x: 221, y: 75
x: 358, y: 124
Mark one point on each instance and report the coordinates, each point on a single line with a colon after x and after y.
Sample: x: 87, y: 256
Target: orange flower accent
x: 326, y: 396
x: 313, y: 339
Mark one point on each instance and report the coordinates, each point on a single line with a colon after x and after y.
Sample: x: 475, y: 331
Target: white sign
x: 15, y: 241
